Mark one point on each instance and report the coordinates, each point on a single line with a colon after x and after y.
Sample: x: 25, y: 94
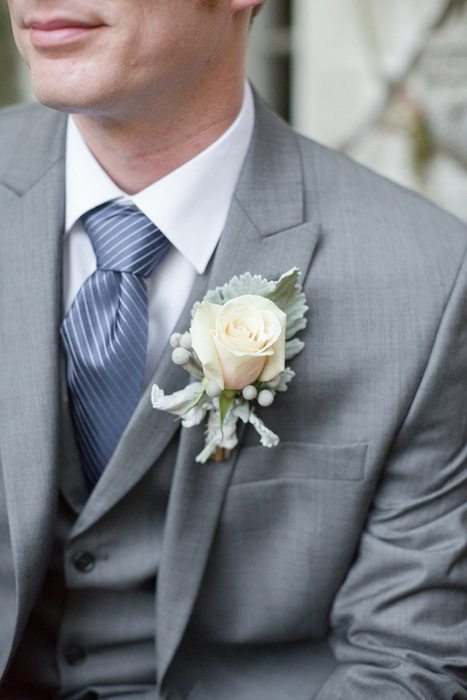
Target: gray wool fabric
x: 332, y: 567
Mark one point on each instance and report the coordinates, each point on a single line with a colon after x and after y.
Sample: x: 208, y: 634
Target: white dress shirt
x: 189, y: 205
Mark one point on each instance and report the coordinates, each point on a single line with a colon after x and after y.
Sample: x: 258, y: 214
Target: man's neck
x: 137, y: 152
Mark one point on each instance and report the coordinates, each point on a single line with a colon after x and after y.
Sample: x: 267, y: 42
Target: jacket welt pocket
x: 300, y: 460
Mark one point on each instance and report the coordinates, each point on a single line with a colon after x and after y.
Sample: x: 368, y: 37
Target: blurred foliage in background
x: 9, y: 87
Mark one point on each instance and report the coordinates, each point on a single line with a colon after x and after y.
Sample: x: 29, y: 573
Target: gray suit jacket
x: 353, y: 530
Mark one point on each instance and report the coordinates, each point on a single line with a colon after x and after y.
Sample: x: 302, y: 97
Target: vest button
x: 84, y: 561
x: 74, y: 655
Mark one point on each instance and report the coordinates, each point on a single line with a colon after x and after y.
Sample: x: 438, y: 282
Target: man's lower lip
x: 50, y: 38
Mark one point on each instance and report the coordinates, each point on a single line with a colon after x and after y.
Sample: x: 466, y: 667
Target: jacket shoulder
x: 379, y: 241
x: 14, y: 119
x: 371, y: 200
x: 32, y: 139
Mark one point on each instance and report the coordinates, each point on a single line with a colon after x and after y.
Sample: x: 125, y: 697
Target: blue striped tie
x: 105, y: 332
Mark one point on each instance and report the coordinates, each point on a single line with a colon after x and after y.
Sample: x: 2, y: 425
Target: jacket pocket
x: 300, y: 460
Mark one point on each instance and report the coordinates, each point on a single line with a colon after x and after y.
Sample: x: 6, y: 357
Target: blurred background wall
x: 384, y: 81
x: 10, y: 90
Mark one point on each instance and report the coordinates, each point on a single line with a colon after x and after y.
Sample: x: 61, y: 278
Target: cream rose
x: 241, y: 341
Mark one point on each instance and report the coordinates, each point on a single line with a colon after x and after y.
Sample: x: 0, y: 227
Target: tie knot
x: 124, y: 239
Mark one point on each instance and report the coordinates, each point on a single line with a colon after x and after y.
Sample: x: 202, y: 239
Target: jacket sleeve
x: 399, y: 620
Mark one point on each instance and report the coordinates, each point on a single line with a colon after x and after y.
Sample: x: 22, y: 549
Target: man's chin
x: 64, y: 101
x: 65, y: 90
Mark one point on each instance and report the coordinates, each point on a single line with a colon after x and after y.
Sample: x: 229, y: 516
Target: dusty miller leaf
x: 288, y: 296
x: 293, y: 347
x: 267, y: 437
x: 285, y: 377
x: 242, y: 411
x: 238, y: 286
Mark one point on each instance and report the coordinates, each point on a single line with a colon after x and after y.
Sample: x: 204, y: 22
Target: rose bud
x: 241, y: 341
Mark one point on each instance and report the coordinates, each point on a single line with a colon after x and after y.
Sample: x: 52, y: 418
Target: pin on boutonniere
x: 241, y: 336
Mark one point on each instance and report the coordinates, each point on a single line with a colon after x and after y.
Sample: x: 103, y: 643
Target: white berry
x: 250, y: 392
x: 265, y: 397
x: 213, y: 389
x: 180, y: 356
x: 175, y: 339
x: 185, y: 341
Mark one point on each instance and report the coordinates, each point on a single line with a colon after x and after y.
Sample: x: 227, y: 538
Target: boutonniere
x: 241, y: 336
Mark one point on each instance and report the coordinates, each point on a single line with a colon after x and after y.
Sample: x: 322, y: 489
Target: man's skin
x: 152, y: 83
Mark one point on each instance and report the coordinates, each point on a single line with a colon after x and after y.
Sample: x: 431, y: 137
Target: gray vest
x: 92, y: 628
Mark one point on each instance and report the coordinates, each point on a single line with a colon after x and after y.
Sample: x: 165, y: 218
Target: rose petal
x: 275, y: 363
x: 241, y: 341
x: 202, y: 341
x: 238, y: 370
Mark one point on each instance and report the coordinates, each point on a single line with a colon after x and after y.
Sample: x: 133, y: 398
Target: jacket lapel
x: 32, y: 203
x: 265, y: 235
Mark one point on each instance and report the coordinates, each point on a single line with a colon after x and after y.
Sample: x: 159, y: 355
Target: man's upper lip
x: 49, y: 24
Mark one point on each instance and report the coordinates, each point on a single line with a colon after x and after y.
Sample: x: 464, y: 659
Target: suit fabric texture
x: 351, y: 534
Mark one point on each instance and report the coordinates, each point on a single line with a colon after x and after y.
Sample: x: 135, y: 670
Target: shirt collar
x: 190, y: 205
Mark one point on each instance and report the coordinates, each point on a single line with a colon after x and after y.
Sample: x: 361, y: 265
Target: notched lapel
x: 242, y: 248
x: 198, y: 490
x: 252, y: 241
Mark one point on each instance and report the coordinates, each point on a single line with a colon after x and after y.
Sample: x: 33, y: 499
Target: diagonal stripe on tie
x: 105, y: 332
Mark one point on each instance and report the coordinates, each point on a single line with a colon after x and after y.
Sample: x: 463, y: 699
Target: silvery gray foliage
x: 267, y: 437
x: 293, y: 347
x: 241, y: 409
x: 248, y: 415
x: 288, y: 296
x: 183, y: 403
x: 285, y: 377
x: 215, y: 435
x: 238, y: 286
